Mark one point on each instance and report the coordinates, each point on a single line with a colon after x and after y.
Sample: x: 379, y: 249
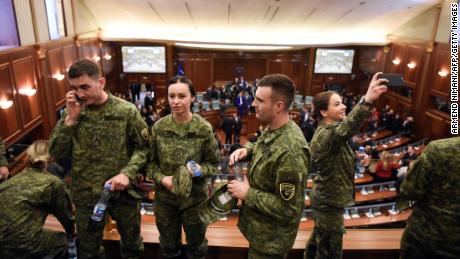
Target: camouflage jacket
x: 434, y: 184
x: 335, y: 160
x: 104, y: 142
x: 3, y: 161
x: 27, y: 199
x: 172, y: 146
x: 271, y: 212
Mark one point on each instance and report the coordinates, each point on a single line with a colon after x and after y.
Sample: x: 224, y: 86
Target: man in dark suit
x: 408, y: 126
x: 238, y: 124
x: 240, y: 103
x: 135, y: 92
x: 227, y: 126
x: 148, y: 100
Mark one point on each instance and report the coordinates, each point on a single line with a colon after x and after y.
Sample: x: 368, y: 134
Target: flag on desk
x: 180, y: 69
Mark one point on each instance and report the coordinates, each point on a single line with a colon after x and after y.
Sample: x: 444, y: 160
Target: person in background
x: 237, y: 126
x: 27, y: 199
x: 4, y: 172
x: 106, y: 139
x: 332, y: 156
x: 273, y: 196
x: 432, y: 184
x: 176, y: 139
x: 385, y: 168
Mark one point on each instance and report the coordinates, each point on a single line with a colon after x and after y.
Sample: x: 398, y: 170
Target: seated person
x: 385, y: 169
x: 408, y: 156
x: 407, y: 126
x: 27, y: 199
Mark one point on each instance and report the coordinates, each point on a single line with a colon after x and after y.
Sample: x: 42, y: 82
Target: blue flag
x: 180, y: 69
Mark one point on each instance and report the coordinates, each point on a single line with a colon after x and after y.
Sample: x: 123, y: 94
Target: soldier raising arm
x: 334, y: 160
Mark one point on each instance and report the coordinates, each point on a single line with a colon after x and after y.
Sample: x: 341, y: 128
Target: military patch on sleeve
x: 287, y: 191
x: 145, y: 134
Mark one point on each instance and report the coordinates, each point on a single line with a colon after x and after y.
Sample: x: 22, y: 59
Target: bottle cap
x: 108, y: 186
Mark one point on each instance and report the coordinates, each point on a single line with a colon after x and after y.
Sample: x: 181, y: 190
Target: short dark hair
x: 184, y: 80
x: 281, y: 85
x: 321, y: 103
x: 84, y: 67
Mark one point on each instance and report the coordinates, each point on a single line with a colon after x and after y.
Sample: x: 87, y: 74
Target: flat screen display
x: 144, y: 59
x: 334, y: 61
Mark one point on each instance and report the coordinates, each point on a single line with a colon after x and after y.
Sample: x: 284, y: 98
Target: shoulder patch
x: 145, y: 134
x: 287, y: 191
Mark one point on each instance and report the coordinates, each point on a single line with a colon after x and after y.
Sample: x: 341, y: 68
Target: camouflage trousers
x: 125, y: 211
x: 411, y: 248
x: 257, y: 254
x: 326, y: 239
x: 50, y: 245
x: 169, y: 221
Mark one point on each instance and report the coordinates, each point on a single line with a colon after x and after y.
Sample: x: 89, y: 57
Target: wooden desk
x: 366, y: 179
x: 404, y: 140
x: 417, y: 152
x: 377, y: 195
x: 227, y: 234
x: 380, y: 134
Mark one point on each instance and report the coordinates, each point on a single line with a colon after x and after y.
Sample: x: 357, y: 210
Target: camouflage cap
x: 217, y: 206
x: 182, y: 182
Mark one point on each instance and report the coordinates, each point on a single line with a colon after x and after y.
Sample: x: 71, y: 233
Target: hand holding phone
x: 74, y: 106
x: 394, y: 80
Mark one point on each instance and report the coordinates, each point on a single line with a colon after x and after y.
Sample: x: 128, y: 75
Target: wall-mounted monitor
x: 143, y: 59
x: 334, y: 61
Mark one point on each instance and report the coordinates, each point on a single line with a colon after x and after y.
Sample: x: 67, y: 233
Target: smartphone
x: 78, y: 99
x: 394, y: 80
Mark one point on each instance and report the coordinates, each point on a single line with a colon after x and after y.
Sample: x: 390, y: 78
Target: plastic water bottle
x: 101, y: 205
x: 196, y: 172
x: 361, y: 168
x: 72, y: 248
x: 237, y: 172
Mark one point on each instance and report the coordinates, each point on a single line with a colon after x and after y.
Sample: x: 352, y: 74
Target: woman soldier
x: 334, y: 160
x: 27, y: 199
x: 176, y: 140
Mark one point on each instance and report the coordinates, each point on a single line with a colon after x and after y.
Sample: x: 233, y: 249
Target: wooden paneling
x: 69, y: 54
x: 398, y: 51
x: 224, y: 69
x: 415, y: 55
x: 24, y: 75
x: 441, y: 61
x: 371, y: 59
x: 56, y: 65
x: 202, y: 74
x: 8, y: 119
x: 275, y: 66
x: 435, y: 126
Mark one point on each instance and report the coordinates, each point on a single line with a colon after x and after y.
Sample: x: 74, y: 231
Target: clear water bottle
x: 72, y: 248
x: 237, y: 174
x: 360, y: 167
x: 196, y: 172
x: 101, y: 205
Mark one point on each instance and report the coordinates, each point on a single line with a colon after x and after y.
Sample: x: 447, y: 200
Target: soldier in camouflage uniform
x: 107, y: 140
x: 26, y: 201
x: 177, y: 139
x: 3, y: 162
x: 433, y: 183
x: 333, y: 186
x: 273, y: 196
